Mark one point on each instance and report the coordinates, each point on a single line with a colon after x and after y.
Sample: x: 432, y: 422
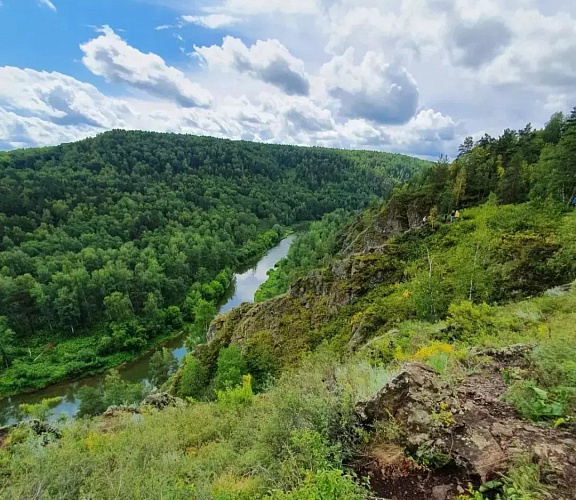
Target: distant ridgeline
x: 110, y: 242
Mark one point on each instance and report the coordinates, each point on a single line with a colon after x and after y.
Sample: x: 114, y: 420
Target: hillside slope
x: 111, y: 242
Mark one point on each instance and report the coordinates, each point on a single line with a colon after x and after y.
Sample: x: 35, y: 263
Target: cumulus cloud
x: 61, y: 99
x: 47, y: 3
x: 375, y: 89
x: 211, y: 21
x: 268, y: 61
x: 476, y: 43
x: 18, y: 131
x: 543, y: 52
x: 354, y: 89
x: 112, y: 58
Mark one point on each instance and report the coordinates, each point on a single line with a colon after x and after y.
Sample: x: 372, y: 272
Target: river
x: 243, y: 288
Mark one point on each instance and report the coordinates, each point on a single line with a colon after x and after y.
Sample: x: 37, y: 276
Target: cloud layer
x: 414, y: 76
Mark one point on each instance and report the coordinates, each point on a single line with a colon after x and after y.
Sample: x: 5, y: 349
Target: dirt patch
x: 395, y: 476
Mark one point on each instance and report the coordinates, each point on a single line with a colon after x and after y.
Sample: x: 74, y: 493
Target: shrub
x: 330, y: 484
x: 237, y: 397
x: 468, y: 321
x: 231, y: 368
x: 193, y: 378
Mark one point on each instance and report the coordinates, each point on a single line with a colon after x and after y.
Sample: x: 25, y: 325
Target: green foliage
x: 325, y: 484
x: 6, y: 343
x: 535, y: 403
x: 162, y: 365
x: 119, y: 229
x: 238, y: 396
x: 311, y: 249
x: 467, y: 320
x: 113, y: 392
x: 40, y: 411
x: 231, y: 367
x: 192, y: 379
x: 292, y: 441
x: 523, y: 482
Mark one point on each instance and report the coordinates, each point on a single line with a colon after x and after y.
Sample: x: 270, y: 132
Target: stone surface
x: 162, y: 400
x: 470, y: 424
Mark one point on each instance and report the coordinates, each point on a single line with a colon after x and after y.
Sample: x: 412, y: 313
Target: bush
x: 237, y: 397
x: 468, y: 321
x: 192, y: 379
x: 331, y: 484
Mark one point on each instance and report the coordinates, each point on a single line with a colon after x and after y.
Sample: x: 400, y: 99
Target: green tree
x: 112, y: 392
x: 6, y: 343
x: 231, y: 367
x: 118, y: 307
x: 162, y: 365
x: 193, y: 379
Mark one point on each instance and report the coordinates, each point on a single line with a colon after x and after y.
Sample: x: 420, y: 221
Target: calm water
x: 242, y: 290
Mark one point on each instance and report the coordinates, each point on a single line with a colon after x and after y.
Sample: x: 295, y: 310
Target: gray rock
x: 162, y: 400
x: 441, y: 492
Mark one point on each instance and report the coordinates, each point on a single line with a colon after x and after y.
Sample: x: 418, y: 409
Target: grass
x: 293, y: 438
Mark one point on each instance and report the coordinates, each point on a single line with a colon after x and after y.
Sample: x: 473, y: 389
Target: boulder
x: 412, y: 398
x: 469, y: 424
x: 433, y: 420
x: 162, y: 400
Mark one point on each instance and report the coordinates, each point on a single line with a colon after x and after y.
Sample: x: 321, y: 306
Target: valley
x: 418, y: 345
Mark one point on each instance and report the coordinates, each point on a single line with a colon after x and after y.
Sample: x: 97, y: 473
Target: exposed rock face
x: 411, y: 398
x: 469, y: 424
x: 46, y: 431
x: 365, y: 261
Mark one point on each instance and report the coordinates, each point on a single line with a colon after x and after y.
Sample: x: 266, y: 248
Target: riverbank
x: 135, y: 368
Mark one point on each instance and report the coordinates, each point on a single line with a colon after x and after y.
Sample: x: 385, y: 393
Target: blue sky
x: 411, y: 76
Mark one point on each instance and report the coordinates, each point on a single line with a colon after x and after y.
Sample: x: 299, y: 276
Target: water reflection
x: 242, y: 290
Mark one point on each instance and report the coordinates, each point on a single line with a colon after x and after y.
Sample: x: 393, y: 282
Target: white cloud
x: 269, y: 6
x: 60, y: 99
x: 269, y: 61
x: 374, y: 89
x: 47, y: 3
x: 211, y: 21
x: 543, y: 52
x: 112, y: 58
x: 18, y: 131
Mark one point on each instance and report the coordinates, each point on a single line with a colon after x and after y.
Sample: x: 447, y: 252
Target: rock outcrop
x: 468, y: 425
x: 161, y: 401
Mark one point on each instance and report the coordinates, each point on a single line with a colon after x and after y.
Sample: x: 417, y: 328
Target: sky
x: 407, y: 76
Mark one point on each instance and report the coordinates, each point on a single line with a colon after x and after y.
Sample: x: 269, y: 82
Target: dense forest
x: 111, y: 242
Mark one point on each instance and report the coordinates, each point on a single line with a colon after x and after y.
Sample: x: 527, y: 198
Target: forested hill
x: 126, y: 235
